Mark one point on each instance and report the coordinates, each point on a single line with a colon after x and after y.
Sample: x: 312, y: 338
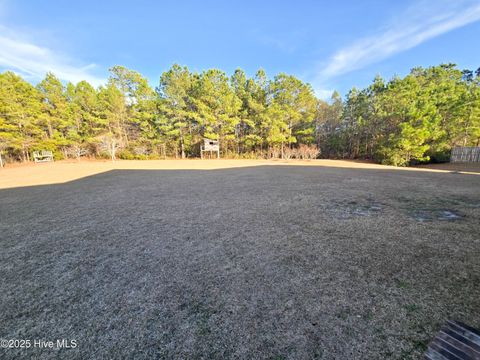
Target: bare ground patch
x: 30, y: 174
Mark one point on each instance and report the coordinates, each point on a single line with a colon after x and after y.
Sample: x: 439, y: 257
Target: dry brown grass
x: 347, y: 261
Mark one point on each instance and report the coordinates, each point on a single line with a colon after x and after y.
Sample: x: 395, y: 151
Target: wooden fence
x: 465, y: 154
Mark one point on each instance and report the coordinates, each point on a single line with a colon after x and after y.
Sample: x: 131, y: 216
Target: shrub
x: 289, y: 153
x: 126, y: 154
x: 306, y: 152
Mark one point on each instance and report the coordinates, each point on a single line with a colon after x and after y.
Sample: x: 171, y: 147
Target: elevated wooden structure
x: 211, y: 146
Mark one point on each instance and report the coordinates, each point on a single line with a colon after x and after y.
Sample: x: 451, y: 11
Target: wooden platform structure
x: 455, y: 341
x: 42, y: 156
x: 211, y: 146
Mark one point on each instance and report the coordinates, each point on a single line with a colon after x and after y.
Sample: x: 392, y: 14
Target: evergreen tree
x: 20, y: 109
x: 417, y: 118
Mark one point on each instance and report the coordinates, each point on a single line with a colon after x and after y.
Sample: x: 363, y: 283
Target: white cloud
x: 33, y: 61
x: 324, y: 94
x: 421, y: 22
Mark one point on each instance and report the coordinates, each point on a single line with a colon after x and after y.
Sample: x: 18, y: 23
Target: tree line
x: 413, y: 119
x: 418, y: 118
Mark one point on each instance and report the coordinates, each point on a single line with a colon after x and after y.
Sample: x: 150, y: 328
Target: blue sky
x: 330, y: 44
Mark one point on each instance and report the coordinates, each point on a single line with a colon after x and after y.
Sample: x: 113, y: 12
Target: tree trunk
x: 182, y: 147
x: 113, y: 150
x: 50, y: 130
x: 25, y: 155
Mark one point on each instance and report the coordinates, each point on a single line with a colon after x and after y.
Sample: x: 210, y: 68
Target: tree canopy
x: 417, y: 118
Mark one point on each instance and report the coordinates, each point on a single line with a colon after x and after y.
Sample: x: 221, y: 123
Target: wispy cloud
x: 419, y: 23
x: 33, y: 61
x: 324, y: 94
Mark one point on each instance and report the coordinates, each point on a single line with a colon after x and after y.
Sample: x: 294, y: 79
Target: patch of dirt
x: 31, y: 174
x: 446, y: 208
x: 346, y: 209
x: 432, y: 214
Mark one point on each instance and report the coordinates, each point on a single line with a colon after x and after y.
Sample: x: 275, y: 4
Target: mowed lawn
x: 266, y: 262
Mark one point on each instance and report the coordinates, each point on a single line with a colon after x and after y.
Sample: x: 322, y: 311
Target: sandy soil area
x: 19, y: 175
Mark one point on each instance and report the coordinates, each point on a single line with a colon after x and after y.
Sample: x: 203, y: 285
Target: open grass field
x: 236, y: 259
